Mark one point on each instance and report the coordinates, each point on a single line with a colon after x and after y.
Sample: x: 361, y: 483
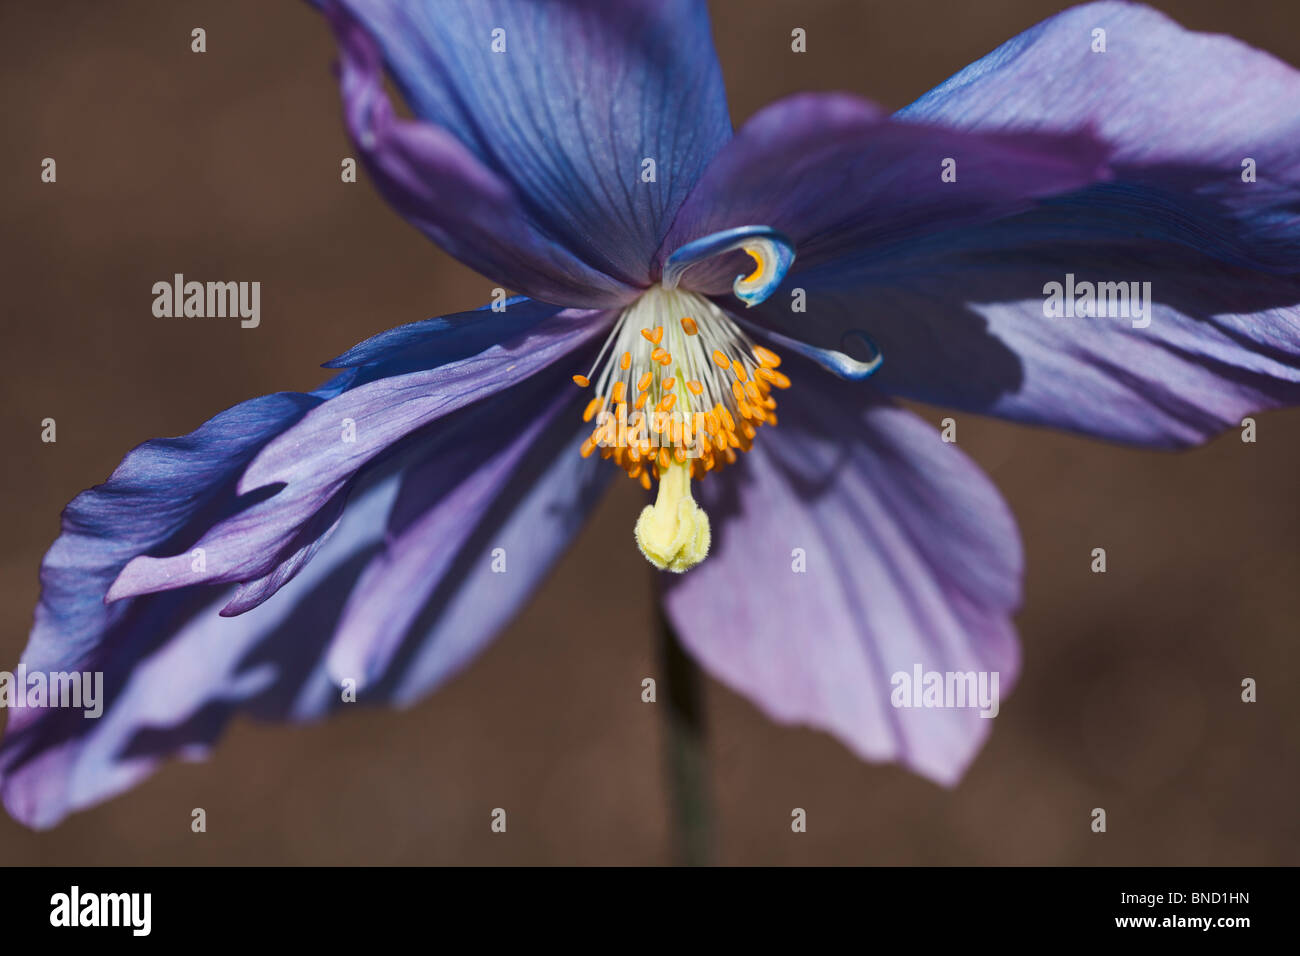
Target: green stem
x: 688, y: 782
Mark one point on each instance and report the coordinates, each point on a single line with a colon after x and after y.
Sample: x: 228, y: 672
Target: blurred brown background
x: 226, y: 165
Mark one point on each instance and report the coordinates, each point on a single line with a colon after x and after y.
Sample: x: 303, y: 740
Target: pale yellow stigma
x: 673, y: 533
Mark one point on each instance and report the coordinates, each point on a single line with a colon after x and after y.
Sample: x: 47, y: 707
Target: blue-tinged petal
x: 771, y: 255
x: 174, y: 669
x: 473, y: 212
x: 835, y: 174
x: 155, y: 496
x: 1205, y: 129
x: 853, y: 545
x: 310, y: 466
x: 176, y: 673
x: 1183, y: 348
x: 483, y: 515
x: 447, y: 338
x: 600, y: 114
x: 531, y: 522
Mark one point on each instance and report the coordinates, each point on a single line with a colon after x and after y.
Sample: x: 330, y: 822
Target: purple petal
x: 320, y: 456
x: 960, y: 318
x: 912, y: 558
x: 447, y: 338
x: 161, y: 492
x: 444, y: 500
x: 967, y: 330
x: 176, y: 672
x: 443, y: 190
x: 473, y: 532
x: 837, y: 176
x: 389, y: 409
x: 533, y: 520
x: 1182, y: 111
x: 580, y: 96
x: 158, y: 492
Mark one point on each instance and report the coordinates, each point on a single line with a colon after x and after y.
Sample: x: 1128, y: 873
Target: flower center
x: 679, y: 390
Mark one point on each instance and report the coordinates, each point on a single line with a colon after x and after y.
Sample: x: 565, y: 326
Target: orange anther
x: 695, y: 387
x: 581, y: 381
x: 742, y: 373
x: 689, y: 325
x: 766, y: 357
x: 667, y: 384
x: 644, y: 381
x: 592, y: 405
x: 618, y: 391
x: 626, y: 361
x: 721, y: 360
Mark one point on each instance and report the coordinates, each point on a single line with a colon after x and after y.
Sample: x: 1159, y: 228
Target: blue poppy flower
x: 581, y: 154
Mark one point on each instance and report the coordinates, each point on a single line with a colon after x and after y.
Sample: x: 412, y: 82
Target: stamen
x: 672, y: 434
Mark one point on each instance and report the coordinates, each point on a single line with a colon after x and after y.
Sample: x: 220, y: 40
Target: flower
x: 581, y: 154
